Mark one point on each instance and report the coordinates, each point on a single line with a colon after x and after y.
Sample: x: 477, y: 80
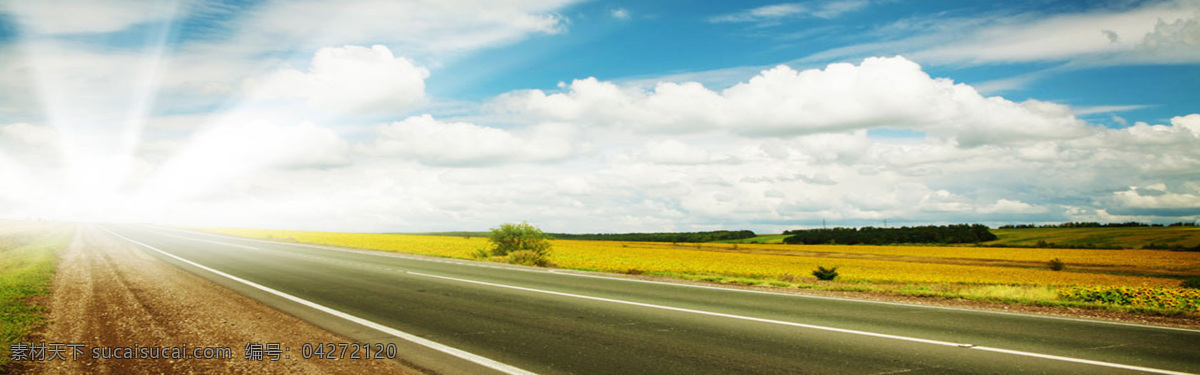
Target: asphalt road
x: 471, y: 317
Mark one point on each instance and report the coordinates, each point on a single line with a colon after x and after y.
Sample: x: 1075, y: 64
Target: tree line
x: 710, y: 236
x: 944, y: 234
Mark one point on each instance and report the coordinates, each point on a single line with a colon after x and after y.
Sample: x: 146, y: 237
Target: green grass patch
x: 1121, y: 237
x: 26, y: 269
x: 766, y: 238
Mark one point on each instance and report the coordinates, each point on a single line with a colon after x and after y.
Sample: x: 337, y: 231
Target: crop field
x: 1001, y: 274
x: 1124, y: 237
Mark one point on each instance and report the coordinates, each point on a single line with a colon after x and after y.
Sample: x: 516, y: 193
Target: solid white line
x: 1134, y: 325
x: 577, y: 273
x: 702, y: 312
x: 1077, y: 360
x: 809, y: 326
x: 480, y: 360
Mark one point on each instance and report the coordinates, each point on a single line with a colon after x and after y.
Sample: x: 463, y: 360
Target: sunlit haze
x: 402, y: 116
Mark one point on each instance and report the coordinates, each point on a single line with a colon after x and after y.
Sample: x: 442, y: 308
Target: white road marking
x: 809, y: 326
x: 480, y: 360
x: 381, y: 253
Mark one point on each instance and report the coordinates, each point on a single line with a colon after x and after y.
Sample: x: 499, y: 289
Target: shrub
x: 481, y: 254
x: 520, y: 244
x: 528, y: 258
x: 511, y: 237
x: 1190, y: 283
x: 1057, y: 264
x: 823, y: 273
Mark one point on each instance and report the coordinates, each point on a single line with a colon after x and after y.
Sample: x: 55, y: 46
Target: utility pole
x: 822, y: 223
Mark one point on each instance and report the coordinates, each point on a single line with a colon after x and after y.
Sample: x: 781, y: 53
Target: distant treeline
x: 1090, y: 224
x: 945, y: 234
x: 718, y: 235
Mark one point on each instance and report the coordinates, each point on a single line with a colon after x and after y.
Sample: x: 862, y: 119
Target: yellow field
x: 864, y: 264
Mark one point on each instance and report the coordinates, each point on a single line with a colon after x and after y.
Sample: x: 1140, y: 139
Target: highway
x: 452, y: 316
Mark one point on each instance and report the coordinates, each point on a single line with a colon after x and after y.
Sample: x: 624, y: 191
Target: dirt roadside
x: 108, y: 293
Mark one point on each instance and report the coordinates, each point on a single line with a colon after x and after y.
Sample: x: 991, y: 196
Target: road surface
x: 455, y: 316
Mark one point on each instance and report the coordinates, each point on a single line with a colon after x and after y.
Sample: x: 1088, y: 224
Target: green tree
x: 520, y: 243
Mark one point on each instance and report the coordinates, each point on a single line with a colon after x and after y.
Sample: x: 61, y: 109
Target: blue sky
x: 599, y: 116
x: 664, y: 38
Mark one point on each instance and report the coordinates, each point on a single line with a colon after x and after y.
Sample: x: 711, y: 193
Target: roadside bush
x: 528, y: 258
x: 823, y: 273
x: 1057, y: 264
x: 520, y: 244
x: 481, y: 254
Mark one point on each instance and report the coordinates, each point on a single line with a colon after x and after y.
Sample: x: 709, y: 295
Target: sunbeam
x: 98, y: 108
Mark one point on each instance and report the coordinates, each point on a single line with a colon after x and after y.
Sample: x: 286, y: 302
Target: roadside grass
x: 1004, y: 275
x: 27, y: 261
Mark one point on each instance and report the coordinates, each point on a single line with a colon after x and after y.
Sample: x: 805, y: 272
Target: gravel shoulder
x: 108, y: 293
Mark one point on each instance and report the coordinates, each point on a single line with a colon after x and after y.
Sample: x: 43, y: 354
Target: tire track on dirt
x: 108, y: 293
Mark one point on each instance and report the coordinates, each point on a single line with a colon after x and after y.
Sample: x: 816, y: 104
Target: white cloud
x: 1190, y: 122
x: 1153, y: 33
x: 214, y: 157
x: 348, y: 78
x: 429, y: 141
x: 619, y: 13
x: 671, y: 151
x: 1177, y: 41
x: 770, y: 14
x: 1155, y: 200
x: 423, y: 27
x: 1005, y: 206
x: 1107, y: 109
x: 84, y: 16
x: 22, y: 138
x: 944, y: 201
x: 774, y: 11
x: 889, y: 93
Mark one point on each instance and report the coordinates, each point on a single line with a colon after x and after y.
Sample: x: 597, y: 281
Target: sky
x: 599, y: 116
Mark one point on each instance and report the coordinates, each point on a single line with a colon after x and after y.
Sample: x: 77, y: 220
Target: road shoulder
x: 110, y: 294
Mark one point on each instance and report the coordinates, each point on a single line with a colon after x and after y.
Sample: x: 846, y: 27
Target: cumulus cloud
x: 891, y: 93
x: 348, y: 78
x: 1005, y: 206
x: 1156, y: 200
x: 433, y: 142
x: 671, y: 151
x: 1162, y: 32
x: 1177, y: 41
x: 944, y: 201
x: 1156, y: 33
x: 1148, y: 149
